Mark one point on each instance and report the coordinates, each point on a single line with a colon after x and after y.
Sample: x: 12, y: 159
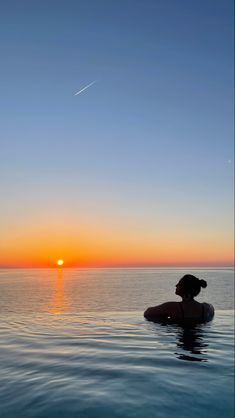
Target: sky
x: 136, y: 170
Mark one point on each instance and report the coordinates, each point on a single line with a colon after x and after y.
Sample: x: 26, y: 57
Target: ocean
x: 74, y: 343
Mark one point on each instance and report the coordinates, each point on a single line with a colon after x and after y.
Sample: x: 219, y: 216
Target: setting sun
x: 60, y: 262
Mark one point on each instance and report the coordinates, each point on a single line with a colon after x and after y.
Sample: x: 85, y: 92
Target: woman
x: 189, y: 310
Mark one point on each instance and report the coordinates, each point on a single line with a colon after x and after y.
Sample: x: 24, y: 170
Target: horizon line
x: 117, y: 267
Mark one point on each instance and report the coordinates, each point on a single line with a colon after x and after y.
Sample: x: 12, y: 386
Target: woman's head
x: 189, y: 286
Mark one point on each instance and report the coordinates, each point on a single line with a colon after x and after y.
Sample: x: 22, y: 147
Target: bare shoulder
x: 162, y: 310
x: 209, y: 311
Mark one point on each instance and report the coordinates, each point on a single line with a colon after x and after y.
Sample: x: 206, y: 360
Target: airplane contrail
x: 84, y: 88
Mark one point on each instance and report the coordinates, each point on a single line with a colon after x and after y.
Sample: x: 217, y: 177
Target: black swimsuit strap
x: 182, y: 310
x: 203, y: 312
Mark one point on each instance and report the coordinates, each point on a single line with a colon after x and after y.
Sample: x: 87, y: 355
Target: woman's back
x: 181, y: 312
x: 195, y: 311
x: 189, y: 310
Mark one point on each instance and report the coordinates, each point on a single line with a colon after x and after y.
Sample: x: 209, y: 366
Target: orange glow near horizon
x: 119, y: 255
x: 106, y: 245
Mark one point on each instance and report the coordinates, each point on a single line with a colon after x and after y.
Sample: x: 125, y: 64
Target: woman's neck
x: 187, y: 299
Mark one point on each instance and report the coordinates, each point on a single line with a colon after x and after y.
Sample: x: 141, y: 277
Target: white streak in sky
x: 84, y: 88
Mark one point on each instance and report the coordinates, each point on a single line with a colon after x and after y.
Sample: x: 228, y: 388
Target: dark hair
x: 192, y: 285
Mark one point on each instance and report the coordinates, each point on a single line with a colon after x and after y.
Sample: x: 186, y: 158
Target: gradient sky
x: 136, y: 170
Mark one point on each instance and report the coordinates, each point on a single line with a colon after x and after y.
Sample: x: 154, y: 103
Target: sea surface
x: 74, y: 343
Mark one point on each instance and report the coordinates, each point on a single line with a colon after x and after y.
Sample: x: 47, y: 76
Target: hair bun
x: 203, y: 283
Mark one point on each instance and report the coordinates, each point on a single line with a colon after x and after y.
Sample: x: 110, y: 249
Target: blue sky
x: 152, y: 140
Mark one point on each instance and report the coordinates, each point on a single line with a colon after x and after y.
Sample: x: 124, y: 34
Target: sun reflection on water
x: 58, y: 304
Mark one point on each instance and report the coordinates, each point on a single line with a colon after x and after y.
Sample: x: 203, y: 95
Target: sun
x: 60, y: 262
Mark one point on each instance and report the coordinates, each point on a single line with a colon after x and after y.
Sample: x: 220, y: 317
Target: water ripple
x: 112, y: 364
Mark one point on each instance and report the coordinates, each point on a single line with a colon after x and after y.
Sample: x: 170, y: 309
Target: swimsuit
x: 202, y: 319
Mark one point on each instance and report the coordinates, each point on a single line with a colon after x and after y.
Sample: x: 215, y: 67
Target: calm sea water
x: 74, y: 343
